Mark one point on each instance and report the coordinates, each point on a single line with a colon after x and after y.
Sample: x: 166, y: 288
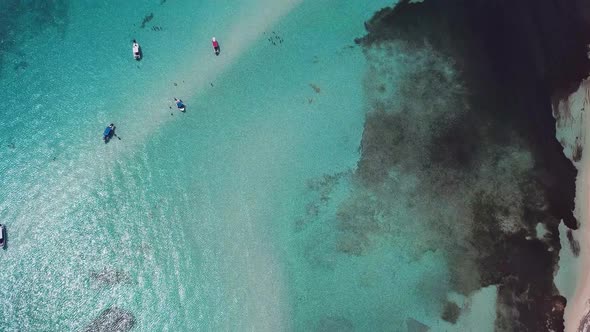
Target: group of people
x: 109, y: 131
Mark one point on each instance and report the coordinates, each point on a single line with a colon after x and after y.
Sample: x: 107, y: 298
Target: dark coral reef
x: 112, y: 320
x: 460, y: 95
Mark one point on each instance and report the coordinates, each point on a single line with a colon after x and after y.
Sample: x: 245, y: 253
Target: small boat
x: 215, y: 46
x: 2, y: 236
x: 179, y: 104
x: 108, y: 133
x: 136, y: 50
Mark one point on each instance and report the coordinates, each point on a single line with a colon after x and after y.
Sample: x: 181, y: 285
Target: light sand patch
x: 571, y: 131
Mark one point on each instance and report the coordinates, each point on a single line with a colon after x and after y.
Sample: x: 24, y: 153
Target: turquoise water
x: 201, y: 220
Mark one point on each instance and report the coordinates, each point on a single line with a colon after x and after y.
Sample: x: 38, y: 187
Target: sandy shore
x: 572, y: 124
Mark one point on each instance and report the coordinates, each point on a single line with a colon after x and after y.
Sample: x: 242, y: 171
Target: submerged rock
x: 451, y: 312
x: 416, y: 326
x: 146, y: 19
x: 315, y: 87
x: 574, y: 244
x: 21, y: 65
x: 109, y: 276
x: 112, y: 320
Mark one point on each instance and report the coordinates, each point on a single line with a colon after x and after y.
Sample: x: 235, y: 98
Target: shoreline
x: 571, y: 126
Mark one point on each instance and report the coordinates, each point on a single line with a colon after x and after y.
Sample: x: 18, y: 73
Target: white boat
x: 136, y: 50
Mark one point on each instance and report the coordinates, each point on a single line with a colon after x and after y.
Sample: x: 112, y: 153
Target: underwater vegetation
x: 459, y: 136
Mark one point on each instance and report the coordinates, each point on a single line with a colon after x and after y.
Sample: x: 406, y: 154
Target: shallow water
x: 182, y: 221
x: 244, y: 213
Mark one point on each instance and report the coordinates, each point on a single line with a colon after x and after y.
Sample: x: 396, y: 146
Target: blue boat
x: 179, y: 104
x: 108, y: 133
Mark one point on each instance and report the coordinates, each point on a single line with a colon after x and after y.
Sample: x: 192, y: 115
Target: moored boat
x: 216, y: 47
x: 136, y: 50
x: 108, y: 133
x: 179, y: 104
